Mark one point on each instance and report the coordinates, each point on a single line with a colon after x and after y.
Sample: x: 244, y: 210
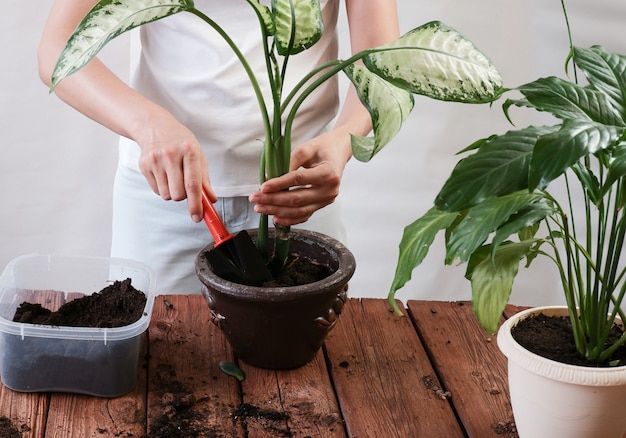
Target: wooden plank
x: 470, y: 366
x: 186, y: 389
x: 298, y: 403
x: 383, y: 377
x: 511, y: 310
x: 96, y: 417
x: 26, y: 411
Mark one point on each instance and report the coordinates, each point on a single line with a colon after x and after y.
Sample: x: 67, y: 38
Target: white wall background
x: 57, y: 167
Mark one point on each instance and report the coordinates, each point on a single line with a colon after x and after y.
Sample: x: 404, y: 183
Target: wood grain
x: 379, y: 368
x: 185, y: 351
x: 431, y: 373
x: 302, y: 401
x: 469, y: 363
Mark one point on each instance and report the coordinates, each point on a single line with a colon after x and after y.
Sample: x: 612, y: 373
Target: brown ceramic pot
x: 281, y: 327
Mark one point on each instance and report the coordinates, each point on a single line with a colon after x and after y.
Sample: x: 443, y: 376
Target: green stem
x: 333, y: 68
x: 262, y: 240
x: 281, y: 249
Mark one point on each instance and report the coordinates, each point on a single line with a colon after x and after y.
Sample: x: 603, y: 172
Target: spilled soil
x: 9, y: 430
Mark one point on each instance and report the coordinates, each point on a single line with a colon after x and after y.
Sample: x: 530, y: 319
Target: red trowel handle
x: 213, y: 221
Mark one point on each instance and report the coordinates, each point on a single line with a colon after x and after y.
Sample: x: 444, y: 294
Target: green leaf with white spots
x: 388, y: 105
x: 107, y: 20
x: 265, y: 16
x: 299, y: 25
x: 436, y: 61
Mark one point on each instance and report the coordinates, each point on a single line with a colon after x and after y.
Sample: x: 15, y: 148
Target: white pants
x: 162, y: 235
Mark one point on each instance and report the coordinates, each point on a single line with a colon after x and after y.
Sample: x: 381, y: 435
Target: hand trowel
x: 233, y: 257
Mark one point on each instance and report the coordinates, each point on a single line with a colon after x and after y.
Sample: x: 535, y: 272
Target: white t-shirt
x: 187, y: 67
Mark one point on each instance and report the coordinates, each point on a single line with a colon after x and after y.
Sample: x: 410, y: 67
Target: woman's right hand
x: 171, y: 158
x: 173, y: 162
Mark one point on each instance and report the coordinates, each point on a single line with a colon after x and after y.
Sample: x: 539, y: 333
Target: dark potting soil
x: 184, y: 415
x: 9, y: 430
x: 552, y: 338
x: 298, y: 271
x: 117, y: 305
x: 40, y: 364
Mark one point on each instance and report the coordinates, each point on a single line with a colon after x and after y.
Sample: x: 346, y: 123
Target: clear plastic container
x: 95, y: 361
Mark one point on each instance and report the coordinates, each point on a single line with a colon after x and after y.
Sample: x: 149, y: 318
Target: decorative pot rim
x: 346, y: 267
x: 575, y: 374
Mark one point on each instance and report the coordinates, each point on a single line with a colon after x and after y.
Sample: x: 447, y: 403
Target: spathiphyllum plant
x: 433, y: 60
x: 498, y: 211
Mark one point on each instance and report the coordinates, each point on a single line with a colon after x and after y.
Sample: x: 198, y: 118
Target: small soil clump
x: 8, y: 430
x: 551, y: 337
x: 271, y: 420
x: 117, y: 305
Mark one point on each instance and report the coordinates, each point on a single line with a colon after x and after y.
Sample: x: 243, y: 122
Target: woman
x: 188, y: 121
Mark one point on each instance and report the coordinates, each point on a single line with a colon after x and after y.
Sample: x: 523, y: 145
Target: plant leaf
x: 588, y: 180
x: 265, y: 16
x: 232, y: 370
x: 388, y: 105
x: 483, y: 219
x: 566, y: 100
x: 555, y: 152
x: 607, y: 73
x: 522, y: 222
x: 436, y: 61
x: 416, y: 240
x: 107, y: 20
x: 500, y: 166
x: 492, y: 281
x: 292, y: 38
x: 617, y: 168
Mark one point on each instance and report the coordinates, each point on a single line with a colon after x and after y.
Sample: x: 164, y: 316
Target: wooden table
x: 434, y: 373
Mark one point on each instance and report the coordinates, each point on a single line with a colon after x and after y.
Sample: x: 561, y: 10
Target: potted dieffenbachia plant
x: 433, y: 60
x: 499, y: 209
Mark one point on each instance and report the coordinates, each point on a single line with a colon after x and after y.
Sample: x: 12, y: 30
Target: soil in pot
x: 117, y: 305
x: 298, y: 271
x: 551, y: 337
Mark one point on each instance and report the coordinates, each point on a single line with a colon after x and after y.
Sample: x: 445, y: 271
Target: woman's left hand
x: 313, y: 181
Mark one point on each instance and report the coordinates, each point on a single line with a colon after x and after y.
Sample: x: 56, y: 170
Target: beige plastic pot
x: 551, y: 399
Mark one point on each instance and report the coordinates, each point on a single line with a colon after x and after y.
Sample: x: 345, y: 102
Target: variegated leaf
x: 436, y: 61
x: 107, y: 20
x: 388, y: 106
x: 265, y: 15
x: 293, y: 38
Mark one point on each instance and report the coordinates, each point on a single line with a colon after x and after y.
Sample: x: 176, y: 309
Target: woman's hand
x: 171, y: 159
x: 173, y: 163
x: 312, y: 183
